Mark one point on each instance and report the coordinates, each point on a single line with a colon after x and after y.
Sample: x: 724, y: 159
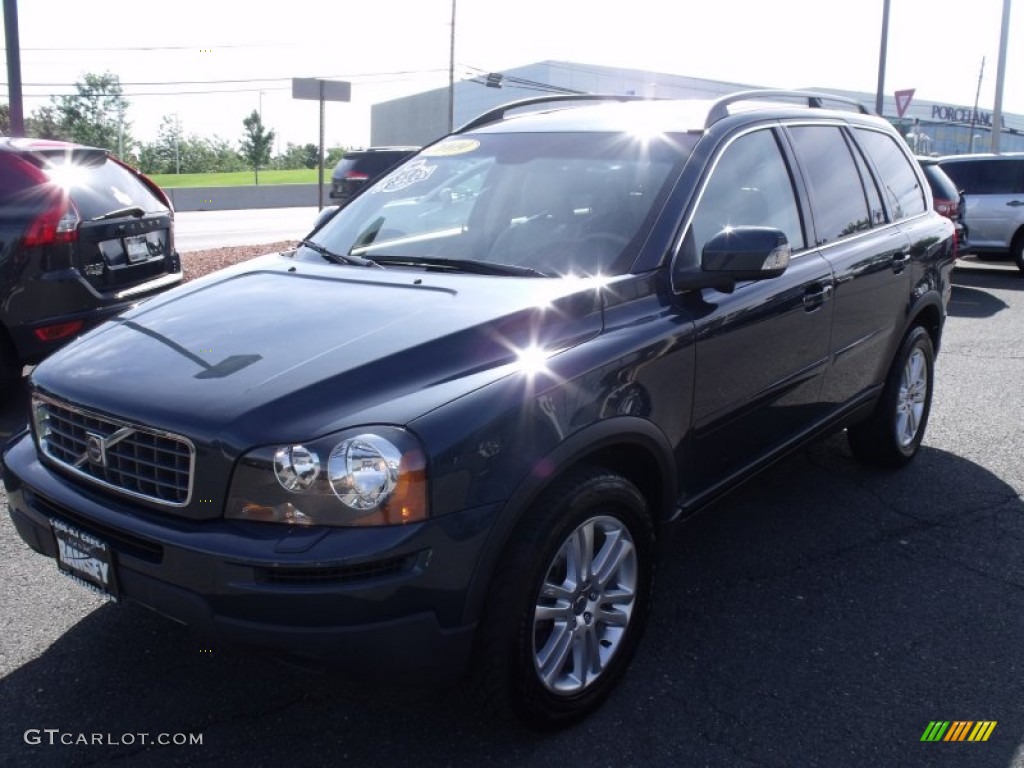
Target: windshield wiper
x: 462, y: 265
x: 131, y: 210
x: 337, y: 258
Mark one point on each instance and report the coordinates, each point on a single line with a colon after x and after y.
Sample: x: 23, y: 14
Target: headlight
x: 372, y: 476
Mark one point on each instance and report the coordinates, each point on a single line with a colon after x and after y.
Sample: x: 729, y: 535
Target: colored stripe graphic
x: 959, y: 730
x: 982, y: 730
x: 935, y: 730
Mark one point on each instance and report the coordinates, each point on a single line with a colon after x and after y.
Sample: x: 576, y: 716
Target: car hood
x: 279, y: 349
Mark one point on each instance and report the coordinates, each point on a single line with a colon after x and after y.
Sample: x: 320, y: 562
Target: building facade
x: 930, y: 127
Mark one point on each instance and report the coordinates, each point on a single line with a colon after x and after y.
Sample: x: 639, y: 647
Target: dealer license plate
x: 137, y: 248
x: 85, y: 558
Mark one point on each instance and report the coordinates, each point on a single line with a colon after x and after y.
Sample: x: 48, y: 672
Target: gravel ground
x: 199, y: 263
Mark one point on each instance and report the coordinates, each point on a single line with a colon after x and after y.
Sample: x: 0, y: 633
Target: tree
x: 96, y: 114
x: 256, y: 143
x: 45, y: 123
x: 5, y: 120
x: 297, y: 156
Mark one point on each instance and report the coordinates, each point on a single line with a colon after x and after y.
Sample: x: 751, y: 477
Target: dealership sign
x: 961, y: 115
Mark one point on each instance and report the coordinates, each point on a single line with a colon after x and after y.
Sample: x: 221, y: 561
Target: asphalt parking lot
x: 823, y: 615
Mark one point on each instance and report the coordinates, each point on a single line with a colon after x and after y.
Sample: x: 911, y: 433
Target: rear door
x: 868, y: 253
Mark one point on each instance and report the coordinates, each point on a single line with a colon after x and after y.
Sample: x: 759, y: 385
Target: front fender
x: 629, y: 441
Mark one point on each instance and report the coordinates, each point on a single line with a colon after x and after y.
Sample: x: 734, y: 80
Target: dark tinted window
x: 899, y: 179
x: 749, y: 186
x: 993, y: 176
x: 840, y: 205
x: 942, y: 186
x: 99, y: 188
x: 372, y: 164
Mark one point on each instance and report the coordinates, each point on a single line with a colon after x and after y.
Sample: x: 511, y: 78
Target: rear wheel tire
x: 568, y: 602
x: 892, y: 435
x: 1018, y: 251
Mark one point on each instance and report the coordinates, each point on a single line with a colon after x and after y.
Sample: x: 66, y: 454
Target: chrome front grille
x: 128, y: 458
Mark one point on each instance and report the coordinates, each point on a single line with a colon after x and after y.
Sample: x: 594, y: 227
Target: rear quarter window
x: 901, y: 184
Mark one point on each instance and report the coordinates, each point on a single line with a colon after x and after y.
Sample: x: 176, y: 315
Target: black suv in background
x: 82, y: 237
x: 360, y: 167
x: 448, y: 430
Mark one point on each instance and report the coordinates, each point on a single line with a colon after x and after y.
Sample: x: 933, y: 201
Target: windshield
x: 553, y: 204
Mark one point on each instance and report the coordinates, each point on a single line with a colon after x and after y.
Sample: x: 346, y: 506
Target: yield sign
x: 903, y: 101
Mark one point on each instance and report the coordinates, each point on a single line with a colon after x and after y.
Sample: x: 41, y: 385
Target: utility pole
x: 974, y: 114
x: 14, y: 67
x: 997, y: 112
x: 451, y: 75
x: 883, y: 50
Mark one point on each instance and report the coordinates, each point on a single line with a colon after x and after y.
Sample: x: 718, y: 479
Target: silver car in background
x: 993, y: 186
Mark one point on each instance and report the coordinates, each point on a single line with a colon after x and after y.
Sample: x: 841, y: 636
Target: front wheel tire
x: 892, y: 435
x: 568, y: 602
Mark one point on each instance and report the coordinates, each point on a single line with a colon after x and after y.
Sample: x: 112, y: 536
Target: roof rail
x: 498, y: 113
x: 720, y: 109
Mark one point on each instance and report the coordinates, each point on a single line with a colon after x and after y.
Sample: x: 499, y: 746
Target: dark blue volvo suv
x: 445, y: 433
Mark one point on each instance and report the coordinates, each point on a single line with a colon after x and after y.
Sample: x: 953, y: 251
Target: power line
x: 248, y: 80
x: 164, y: 47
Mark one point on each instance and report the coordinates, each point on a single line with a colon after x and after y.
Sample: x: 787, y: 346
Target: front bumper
x: 386, y: 601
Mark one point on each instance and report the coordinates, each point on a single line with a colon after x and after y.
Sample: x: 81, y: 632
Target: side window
x: 749, y: 186
x: 963, y: 174
x: 840, y: 205
x: 999, y: 177
x: 901, y: 184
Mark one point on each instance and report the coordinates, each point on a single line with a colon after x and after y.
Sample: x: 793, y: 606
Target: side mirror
x: 324, y: 215
x: 735, y: 254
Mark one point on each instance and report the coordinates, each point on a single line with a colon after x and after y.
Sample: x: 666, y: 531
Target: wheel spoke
x: 558, y: 612
x: 552, y: 657
x: 611, y: 557
x: 580, y: 553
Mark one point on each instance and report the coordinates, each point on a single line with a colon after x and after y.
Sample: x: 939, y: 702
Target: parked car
x: 946, y: 198
x: 994, y: 190
x: 447, y: 433
x: 82, y: 237
x: 359, y: 167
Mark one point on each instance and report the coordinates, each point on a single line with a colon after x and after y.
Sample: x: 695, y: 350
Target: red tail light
x: 58, y: 331
x: 57, y: 224
x: 946, y: 207
x: 356, y: 176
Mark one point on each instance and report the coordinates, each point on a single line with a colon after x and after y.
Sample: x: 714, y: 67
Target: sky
x: 212, y: 62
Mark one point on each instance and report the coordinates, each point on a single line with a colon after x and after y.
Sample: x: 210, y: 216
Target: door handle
x: 816, y: 295
x: 899, y: 261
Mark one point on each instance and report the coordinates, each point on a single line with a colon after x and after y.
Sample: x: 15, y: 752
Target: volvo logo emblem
x: 95, y: 449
